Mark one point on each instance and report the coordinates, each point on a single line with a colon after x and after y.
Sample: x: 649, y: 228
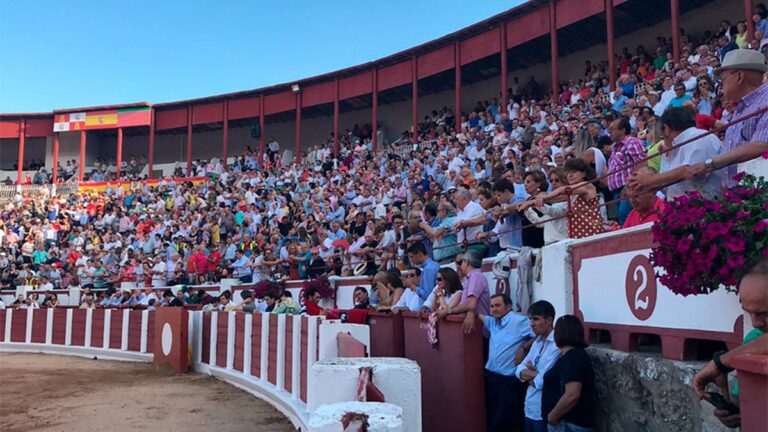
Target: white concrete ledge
x: 294, y: 410
x: 98, y: 353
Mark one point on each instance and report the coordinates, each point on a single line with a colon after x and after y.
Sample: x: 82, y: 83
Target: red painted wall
x: 395, y: 75
x: 480, y: 46
x: 208, y: 113
x: 528, y: 27
x: 317, y: 94
x: 355, y: 85
x: 170, y: 119
x: 435, y: 61
x: 243, y: 108
x: 40, y: 127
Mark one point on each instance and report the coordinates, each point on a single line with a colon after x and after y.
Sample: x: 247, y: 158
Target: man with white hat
x: 742, y: 77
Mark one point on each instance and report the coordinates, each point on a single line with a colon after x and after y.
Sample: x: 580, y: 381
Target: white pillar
x: 49, y: 326
x: 296, y: 358
x: 30, y: 320
x: 380, y: 417
x: 88, y: 327
x: 126, y: 324
x: 144, y: 331
x: 280, y: 381
x: 247, y: 343
x: 8, y: 321
x: 264, y: 347
x: 107, y: 321
x: 231, y: 340
x: 214, y: 335
x: 68, y: 334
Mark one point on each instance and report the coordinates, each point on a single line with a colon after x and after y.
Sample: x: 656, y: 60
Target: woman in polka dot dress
x: 585, y: 217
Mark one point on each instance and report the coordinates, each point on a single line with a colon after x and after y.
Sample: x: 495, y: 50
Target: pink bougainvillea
x: 703, y: 243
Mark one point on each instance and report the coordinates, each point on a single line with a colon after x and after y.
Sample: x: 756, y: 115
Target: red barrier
x: 289, y: 352
x: 206, y: 351
x: 451, y: 374
x: 239, y: 340
x: 39, y: 322
x: 116, y: 329
x: 134, y: 330
x: 151, y: 333
x: 78, y: 327
x: 752, y: 371
x: 19, y: 325
x: 304, y: 356
x: 97, y: 328
x: 172, y: 338
x: 2, y: 325
x: 256, y: 346
x: 272, y: 357
x: 222, y: 327
x: 59, y: 326
x: 387, y: 337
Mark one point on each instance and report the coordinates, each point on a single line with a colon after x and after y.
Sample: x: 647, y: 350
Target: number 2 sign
x: 641, y: 287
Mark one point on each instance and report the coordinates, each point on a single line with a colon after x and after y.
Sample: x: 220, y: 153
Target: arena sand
x: 57, y: 393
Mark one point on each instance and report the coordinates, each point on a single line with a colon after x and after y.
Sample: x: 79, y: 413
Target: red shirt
x: 635, y: 218
x: 213, y: 260
x: 200, y: 261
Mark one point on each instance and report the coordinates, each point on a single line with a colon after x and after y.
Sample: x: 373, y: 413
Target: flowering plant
x: 702, y: 243
x: 267, y: 286
x: 322, y: 285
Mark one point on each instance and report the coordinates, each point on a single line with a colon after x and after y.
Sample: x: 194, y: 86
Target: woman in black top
x: 567, y: 400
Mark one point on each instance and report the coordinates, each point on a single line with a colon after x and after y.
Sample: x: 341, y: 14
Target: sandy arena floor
x: 59, y: 393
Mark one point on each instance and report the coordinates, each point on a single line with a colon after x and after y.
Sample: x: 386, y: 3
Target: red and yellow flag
x: 101, y: 119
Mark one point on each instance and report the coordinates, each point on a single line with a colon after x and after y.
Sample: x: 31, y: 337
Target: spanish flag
x: 101, y: 119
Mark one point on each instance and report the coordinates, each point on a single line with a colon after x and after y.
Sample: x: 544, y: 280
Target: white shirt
x: 159, y: 267
x: 698, y: 151
x: 409, y: 300
x: 543, y: 355
x: 470, y: 211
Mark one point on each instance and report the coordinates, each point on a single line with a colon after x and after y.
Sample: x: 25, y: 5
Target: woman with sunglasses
x: 447, y: 292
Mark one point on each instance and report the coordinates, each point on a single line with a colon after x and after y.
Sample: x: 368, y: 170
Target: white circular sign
x: 167, y: 340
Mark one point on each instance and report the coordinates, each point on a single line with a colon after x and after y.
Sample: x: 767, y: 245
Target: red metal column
x: 675, y: 8
x: 553, y: 48
x: 457, y: 88
x: 189, y: 141
x: 503, y: 51
x: 225, y: 135
x: 415, y: 96
x: 297, y: 157
x: 375, y: 108
x: 119, y: 162
x: 261, y: 128
x: 749, y: 10
x: 22, y: 136
x: 151, y: 151
x: 336, y: 118
x: 610, y: 40
x: 82, y: 156
x: 55, y: 157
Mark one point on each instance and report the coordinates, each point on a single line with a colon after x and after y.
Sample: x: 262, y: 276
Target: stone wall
x: 640, y: 392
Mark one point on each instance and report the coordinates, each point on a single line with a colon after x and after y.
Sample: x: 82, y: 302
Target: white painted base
x: 382, y: 417
x: 335, y: 380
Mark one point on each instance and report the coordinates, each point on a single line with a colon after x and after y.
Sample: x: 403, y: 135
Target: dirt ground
x: 57, y: 393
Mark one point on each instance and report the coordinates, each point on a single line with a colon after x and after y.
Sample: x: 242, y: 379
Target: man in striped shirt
x: 624, y: 161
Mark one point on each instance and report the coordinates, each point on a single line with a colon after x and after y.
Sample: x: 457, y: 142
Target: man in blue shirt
x: 542, y: 356
x: 511, y: 336
x: 417, y: 254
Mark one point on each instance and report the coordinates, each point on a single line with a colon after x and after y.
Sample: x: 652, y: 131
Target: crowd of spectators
x: 504, y: 179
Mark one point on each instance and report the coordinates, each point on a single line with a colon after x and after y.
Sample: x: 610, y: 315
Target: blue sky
x: 76, y: 53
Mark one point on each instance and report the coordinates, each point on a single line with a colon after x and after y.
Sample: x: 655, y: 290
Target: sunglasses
x: 439, y: 279
x: 459, y: 262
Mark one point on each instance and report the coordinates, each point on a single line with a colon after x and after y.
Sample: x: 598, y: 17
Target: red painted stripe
x: 221, y: 339
x: 289, y: 352
x: 304, y: 353
x: 78, y: 327
x: 272, y: 370
x: 59, y: 326
x: 239, y: 340
x: 206, y: 351
x: 256, y: 345
x: 151, y: 332
x: 19, y: 325
x: 2, y: 325
x: 116, y: 329
x: 97, y: 328
x: 134, y: 331
x: 39, y: 321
